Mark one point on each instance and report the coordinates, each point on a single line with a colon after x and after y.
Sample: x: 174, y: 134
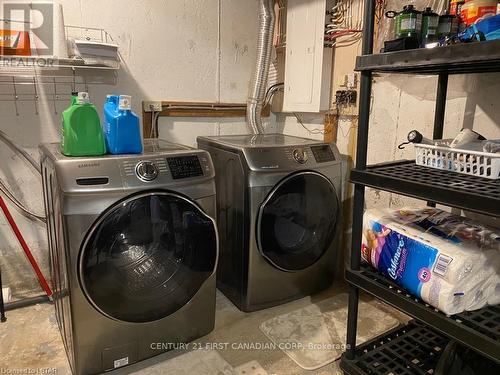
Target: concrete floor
x: 30, y: 340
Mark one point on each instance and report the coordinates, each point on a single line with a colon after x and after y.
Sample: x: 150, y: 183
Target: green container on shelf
x: 82, y: 133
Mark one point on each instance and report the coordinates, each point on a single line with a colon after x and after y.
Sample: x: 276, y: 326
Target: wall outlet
x: 151, y: 105
x: 351, y: 81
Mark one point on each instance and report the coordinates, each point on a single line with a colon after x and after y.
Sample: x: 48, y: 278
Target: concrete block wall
x: 402, y: 103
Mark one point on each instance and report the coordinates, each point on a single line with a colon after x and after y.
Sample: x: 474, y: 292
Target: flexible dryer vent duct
x: 259, y: 81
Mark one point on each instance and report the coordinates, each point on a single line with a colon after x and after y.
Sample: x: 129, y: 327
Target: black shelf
x: 454, y: 59
x: 479, y: 330
x: 415, y: 349
x: 449, y: 188
x: 410, y: 350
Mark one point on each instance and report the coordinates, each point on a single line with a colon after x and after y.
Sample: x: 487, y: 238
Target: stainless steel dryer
x: 133, y: 251
x: 278, y: 214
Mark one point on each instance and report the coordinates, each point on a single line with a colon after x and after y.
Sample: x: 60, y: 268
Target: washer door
x: 147, y: 256
x: 297, y: 222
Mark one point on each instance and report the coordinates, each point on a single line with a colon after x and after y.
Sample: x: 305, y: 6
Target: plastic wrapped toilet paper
x: 445, y: 296
x: 492, y: 286
x: 484, y: 280
x: 485, y: 294
x: 448, y: 261
x: 493, y: 291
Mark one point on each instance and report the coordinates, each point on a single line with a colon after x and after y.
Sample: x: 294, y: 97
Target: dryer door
x: 147, y: 256
x: 297, y: 221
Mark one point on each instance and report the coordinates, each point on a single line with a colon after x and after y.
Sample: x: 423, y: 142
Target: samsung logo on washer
x: 276, y: 166
x: 89, y: 165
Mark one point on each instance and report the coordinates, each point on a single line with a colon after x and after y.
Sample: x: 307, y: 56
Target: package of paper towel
x: 449, y: 261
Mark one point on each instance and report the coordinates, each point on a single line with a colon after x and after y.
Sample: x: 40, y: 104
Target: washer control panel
x: 185, y: 166
x: 146, y: 171
x: 160, y: 169
x: 300, y: 155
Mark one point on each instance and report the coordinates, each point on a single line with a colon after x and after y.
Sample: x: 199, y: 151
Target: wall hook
x: 55, y: 95
x: 35, y: 88
x: 16, y: 97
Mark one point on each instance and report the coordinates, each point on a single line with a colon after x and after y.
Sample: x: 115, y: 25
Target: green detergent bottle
x: 82, y: 133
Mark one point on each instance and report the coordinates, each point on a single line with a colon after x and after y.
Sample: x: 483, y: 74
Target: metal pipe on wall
x: 26, y: 302
x: 258, y: 87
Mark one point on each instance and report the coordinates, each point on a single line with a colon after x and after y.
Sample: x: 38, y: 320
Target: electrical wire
x: 273, y: 89
x: 5, y: 190
x: 275, y: 85
x: 348, y: 43
x: 22, y: 209
x: 18, y: 150
x: 310, y: 131
x: 153, y: 132
x: 346, y: 25
x: 349, y: 130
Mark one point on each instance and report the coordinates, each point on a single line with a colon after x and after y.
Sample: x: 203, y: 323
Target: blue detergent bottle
x: 121, y: 126
x: 110, y: 110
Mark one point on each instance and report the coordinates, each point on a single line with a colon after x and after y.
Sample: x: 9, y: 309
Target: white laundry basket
x: 474, y: 163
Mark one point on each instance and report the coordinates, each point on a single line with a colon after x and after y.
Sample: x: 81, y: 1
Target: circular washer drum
x: 147, y: 256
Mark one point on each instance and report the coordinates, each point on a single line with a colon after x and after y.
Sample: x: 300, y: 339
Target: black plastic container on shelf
x: 448, y: 26
x: 430, y: 22
x: 408, y: 22
x: 400, y: 44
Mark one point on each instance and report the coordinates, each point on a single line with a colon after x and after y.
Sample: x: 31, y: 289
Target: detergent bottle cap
x: 125, y: 102
x: 83, y: 98
x: 112, y: 98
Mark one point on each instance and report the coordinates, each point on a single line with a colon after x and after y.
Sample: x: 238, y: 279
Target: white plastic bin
x: 474, y: 163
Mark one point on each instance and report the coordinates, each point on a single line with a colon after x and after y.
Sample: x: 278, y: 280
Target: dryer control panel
x: 323, y: 153
x: 300, y: 155
x: 292, y: 157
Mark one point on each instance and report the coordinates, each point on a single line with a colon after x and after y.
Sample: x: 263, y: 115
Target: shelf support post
x: 442, y: 89
x: 361, y: 158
